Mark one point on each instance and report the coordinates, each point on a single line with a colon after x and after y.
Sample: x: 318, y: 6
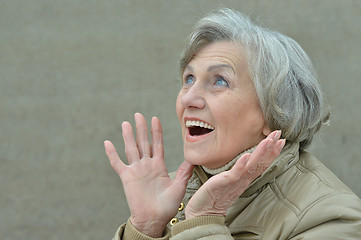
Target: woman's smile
x: 217, y: 106
x: 197, y: 129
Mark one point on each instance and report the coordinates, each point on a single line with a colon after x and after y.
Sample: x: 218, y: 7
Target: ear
x: 266, y: 130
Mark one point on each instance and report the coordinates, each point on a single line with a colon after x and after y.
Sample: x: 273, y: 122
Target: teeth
x: 190, y: 123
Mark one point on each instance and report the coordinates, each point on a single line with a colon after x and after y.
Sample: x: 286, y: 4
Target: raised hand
x: 220, y: 191
x: 153, y: 198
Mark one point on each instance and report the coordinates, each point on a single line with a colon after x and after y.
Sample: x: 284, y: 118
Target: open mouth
x: 198, y: 128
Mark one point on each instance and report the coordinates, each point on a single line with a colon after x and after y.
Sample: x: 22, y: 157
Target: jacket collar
x: 288, y: 157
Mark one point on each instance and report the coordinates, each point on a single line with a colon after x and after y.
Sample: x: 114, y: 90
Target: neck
x: 227, y: 166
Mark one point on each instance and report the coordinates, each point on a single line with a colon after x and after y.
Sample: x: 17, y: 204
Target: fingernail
x: 277, y: 135
x: 283, y: 142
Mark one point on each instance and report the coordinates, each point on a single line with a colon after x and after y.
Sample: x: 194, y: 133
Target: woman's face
x: 217, y: 107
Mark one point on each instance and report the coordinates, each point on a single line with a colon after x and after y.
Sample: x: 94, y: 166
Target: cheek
x: 244, y: 122
x: 250, y: 126
x: 179, y: 107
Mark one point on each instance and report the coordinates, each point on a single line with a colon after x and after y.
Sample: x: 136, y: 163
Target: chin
x: 195, y: 159
x: 203, y: 160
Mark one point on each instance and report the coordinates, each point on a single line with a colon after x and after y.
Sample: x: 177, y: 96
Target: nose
x: 194, y: 98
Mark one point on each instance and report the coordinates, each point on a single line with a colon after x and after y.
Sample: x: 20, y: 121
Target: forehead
x: 221, y: 52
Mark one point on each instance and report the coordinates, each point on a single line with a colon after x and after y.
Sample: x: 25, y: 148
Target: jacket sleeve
x: 203, y: 227
x: 128, y: 232
x: 333, y: 217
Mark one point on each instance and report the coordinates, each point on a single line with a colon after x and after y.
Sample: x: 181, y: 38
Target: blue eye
x: 220, y: 81
x: 189, y: 80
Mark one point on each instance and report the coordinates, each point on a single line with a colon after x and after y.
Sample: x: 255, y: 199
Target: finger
x: 142, y: 135
x: 241, y: 163
x: 131, y: 149
x: 157, y: 139
x: 113, y: 157
x: 259, y: 156
x: 278, y: 148
x: 260, y: 159
x: 183, y: 174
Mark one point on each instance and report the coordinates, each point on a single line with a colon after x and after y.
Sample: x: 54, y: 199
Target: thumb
x: 183, y: 174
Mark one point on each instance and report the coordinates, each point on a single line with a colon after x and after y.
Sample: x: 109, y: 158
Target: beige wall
x: 72, y: 71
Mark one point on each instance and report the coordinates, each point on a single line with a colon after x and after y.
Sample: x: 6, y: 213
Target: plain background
x: 72, y: 71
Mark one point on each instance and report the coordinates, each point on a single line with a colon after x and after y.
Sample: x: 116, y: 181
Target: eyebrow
x: 210, y: 68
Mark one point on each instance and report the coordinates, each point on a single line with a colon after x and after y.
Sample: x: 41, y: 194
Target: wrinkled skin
x: 221, y: 190
x: 153, y: 197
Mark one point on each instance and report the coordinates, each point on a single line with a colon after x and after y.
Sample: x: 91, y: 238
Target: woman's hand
x: 153, y: 198
x: 220, y: 191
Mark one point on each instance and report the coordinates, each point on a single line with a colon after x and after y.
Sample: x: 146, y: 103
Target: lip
x: 188, y: 136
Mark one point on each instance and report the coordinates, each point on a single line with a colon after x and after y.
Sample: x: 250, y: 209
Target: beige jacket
x: 296, y: 198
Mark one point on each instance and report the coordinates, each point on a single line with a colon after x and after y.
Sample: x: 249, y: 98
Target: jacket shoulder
x: 308, y: 183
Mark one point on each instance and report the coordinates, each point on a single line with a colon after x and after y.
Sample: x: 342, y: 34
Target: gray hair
x: 285, y: 81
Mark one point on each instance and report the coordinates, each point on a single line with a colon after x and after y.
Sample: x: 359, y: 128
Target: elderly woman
x: 246, y: 90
